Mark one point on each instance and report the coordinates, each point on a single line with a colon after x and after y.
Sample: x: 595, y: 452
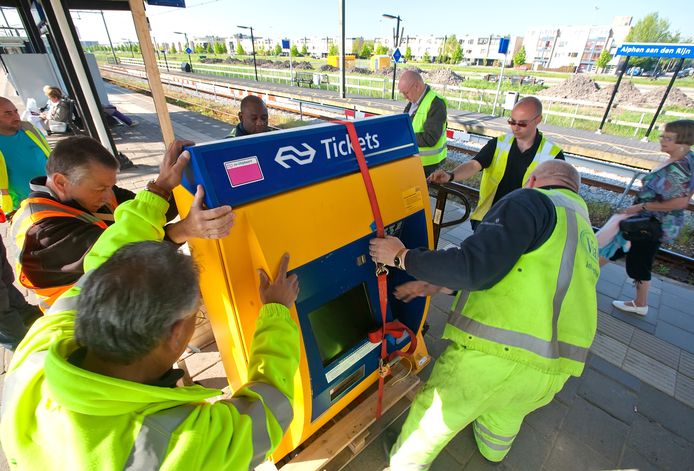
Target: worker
x: 253, y: 117
x: 531, y: 269
x: 428, y: 111
x: 70, y: 208
x: 23, y: 154
x: 506, y: 161
x: 91, y: 387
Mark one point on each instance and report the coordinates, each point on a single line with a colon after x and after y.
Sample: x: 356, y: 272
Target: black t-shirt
x: 516, y: 167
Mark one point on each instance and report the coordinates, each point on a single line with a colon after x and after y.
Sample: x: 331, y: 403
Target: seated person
x: 91, y: 387
x: 69, y: 209
x: 253, y: 117
x: 57, y: 114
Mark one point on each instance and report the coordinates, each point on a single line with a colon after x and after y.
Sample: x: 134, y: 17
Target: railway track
x: 208, y: 87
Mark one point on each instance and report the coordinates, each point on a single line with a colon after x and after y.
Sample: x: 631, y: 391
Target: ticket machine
x: 300, y: 191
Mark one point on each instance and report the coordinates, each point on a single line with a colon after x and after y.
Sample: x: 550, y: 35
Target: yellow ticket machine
x: 300, y: 191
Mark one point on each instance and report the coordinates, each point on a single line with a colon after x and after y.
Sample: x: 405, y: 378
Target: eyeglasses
x: 667, y: 138
x: 521, y: 124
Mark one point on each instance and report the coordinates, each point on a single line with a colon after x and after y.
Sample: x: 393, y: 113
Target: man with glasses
x: 506, y: 161
x: 429, y: 115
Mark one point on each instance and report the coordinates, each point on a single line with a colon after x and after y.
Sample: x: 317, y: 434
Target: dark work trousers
x: 16, y: 315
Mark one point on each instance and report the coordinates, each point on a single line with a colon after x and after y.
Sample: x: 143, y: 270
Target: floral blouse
x: 675, y: 180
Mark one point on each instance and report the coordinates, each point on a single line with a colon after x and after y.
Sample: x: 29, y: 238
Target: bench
x: 300, y: 78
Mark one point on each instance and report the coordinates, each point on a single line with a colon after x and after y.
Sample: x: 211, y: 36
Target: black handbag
x: 641, y: 228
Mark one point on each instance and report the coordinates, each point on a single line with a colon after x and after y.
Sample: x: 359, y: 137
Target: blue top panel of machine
x: 244, y: 169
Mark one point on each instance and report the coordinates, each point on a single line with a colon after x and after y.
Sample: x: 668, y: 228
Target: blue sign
x: 397, y: 55
x: 189, y: 50
x: 168, y: 3
x: 244, y: 169
x: 667, y: 51
x: 503, y: 45
x: 285, y: 44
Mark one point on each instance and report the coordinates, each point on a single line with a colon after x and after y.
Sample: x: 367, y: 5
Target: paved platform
x: 576, y: 141
x: 632, y: 408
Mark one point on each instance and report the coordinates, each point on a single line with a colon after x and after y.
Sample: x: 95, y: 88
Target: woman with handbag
x: 657, y: 214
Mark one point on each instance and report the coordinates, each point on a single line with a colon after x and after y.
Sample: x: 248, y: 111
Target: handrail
x: 442, y: 193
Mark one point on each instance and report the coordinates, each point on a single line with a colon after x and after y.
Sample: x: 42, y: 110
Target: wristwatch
x: 451, y: 176
x: 399, y: 259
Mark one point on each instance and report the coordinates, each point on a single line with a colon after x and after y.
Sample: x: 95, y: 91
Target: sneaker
x: 630, y: 306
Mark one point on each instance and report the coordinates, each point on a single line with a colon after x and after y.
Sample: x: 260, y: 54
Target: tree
x: 380, y: 50
x: 334, y: 50
x: 650, y: 29
x: 304, y: 50
x: 294, y: 51
x: 220, y: 48
x: 426, y: 57
x: 199, y: 49
x: 357, y: 44
x: 408, y: 53
x: 457, y: 54
x: 209, y: 48
x: 366, y: 51
x: 519, y: 57
x: 604, y: 58
x: 278, y: 50
x: 173, y: 49
x: 239, y: 49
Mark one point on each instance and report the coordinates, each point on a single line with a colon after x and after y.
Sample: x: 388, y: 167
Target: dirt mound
x: 676, y: 97
x: 328, y: 68
x: 577, y: 87
x: 360, y: 70
x: 303, y: 65
x: 443, y: 77
x: 627, y: 94
x: 232, y: 60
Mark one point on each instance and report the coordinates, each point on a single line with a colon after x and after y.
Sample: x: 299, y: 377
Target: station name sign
x: 667, y: 51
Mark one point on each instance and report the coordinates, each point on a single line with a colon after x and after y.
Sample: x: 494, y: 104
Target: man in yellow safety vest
x: 429, y: 114
x: 506, y: 161
x: 531, y: 269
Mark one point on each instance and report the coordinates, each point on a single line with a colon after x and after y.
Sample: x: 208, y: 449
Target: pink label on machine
x: 243, y: 171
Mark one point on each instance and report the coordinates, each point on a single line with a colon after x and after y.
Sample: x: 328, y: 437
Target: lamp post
x: 396, y: 44
x: 130, y: 45
x: 255, y: 66
x: 190, y: 61
x: 115, y: 59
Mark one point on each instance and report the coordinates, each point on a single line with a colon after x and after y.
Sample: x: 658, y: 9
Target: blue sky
x: 296, y: 18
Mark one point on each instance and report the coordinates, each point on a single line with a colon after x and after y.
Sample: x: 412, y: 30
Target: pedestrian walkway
x: 632, y: 408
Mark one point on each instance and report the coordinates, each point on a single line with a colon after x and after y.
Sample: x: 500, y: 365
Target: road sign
x: 189, y: 50
x: 285, y: 44
x: 237, y: 171
x: 503, y: 45
x: 667, y: 51
x: 397, y: 55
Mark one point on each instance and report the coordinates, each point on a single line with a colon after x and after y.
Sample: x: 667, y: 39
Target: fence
x: 624, y: 120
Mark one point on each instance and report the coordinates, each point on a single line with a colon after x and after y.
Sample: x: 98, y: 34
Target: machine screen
x: 341, y: 323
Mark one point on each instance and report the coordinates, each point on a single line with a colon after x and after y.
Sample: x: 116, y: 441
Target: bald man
x: 429, y: 115
x: 253, y: 117
x: 531, y: 269
x: 23, y: 154
x: 506, y: 161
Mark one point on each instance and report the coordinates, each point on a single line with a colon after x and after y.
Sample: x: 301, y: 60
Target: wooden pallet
x: 340, y: 442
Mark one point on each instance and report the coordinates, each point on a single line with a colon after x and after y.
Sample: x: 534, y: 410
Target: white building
x: 573, y: 47
x: 484, y: 50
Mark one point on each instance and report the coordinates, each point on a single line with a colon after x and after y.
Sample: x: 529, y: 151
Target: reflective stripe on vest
x: 30, y: 212
x: 551, y: 349
x: 435, y: 154
x: 492, y: 175
x: 6, y: 203
x: 19, y: 377
x: 152, y: 442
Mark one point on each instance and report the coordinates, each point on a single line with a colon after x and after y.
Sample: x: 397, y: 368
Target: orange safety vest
x: 31, y: 211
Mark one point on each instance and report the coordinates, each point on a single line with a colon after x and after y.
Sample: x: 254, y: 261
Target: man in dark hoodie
x: 252, y: 117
